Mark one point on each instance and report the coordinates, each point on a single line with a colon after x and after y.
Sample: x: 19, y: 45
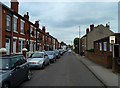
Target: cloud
x: 63, y: 18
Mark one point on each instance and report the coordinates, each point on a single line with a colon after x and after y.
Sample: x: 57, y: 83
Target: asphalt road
x: 67, y: 71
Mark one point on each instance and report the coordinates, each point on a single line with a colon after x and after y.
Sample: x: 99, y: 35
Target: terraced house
x: 18, y: 32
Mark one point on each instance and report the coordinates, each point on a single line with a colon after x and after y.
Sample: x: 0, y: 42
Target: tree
x: 76, y: 45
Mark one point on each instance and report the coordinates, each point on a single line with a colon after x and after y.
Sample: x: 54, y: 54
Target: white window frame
x: 22, y: 26
x: 8, y: 51
x: 15, y: 45
x: 31, y: 29
x: 110, y: 48
x: 8, y: 22
x: 105, y: 46
x: 100, y: 46
x: 21, y: 47
x: 15, y: 24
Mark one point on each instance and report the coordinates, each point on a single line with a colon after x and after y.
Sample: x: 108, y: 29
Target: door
x: 8, y: 45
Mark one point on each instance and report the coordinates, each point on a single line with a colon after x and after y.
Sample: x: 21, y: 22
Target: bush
x: 90, y: 50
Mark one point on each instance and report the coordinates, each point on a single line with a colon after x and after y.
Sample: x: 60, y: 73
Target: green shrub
x: 90, y: 50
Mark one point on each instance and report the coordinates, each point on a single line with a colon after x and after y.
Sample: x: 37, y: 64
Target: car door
x: 24, y: 67
x: 47, y: 59
x: 16, y: 72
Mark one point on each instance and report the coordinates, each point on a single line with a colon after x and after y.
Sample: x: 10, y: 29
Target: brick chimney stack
x: 91, y: 27
x: 26, y: 16
x: 87, y: 30
x: 14, y: 5
x: 47, y: 33
x: 43, y: 29
x: 37, y: 24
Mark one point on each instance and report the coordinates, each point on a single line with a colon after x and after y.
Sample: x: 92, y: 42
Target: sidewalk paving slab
x: 105, y: 75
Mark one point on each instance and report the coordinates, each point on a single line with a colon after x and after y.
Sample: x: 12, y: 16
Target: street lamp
x: 79, y: 41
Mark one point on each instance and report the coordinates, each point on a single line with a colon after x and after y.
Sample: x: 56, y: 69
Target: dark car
x: 14, y: 69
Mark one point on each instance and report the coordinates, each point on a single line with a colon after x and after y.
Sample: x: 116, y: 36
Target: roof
x: 115, y: 34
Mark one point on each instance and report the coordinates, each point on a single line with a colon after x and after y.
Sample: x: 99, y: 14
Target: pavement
x: 105, y: 75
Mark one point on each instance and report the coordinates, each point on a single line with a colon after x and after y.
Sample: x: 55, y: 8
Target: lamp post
x: 79, y: 40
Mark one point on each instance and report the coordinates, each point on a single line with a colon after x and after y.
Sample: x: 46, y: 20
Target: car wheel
x: 49, y: 63
x: 5, y: 85
x: 43, y: 66
x: 29, y: 75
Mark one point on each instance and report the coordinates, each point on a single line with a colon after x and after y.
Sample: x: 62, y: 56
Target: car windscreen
x: 50, y: 52
x: 37, y: 55
x: 5, y: 64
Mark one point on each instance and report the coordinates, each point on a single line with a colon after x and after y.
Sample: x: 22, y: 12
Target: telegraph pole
x: 79, y: 40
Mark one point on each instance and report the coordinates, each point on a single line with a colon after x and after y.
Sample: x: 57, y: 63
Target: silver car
x: 51, y: 55
x: 38, y: 60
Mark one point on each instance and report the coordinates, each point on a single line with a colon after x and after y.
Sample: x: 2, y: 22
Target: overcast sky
x: 62, y: 19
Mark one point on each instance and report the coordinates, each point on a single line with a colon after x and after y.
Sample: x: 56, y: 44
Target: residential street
x: 67, y: 71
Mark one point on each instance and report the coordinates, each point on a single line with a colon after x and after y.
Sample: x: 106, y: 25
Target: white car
x: 38, y: 60
x: 69, y: 50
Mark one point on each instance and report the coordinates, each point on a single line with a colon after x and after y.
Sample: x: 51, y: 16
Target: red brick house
x: 17, y: 32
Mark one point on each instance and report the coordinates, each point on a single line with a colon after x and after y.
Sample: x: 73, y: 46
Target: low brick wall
x: 101, y: 59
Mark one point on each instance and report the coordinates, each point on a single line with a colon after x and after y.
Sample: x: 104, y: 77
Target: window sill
x: 15, y: 31
x: 22, y: 33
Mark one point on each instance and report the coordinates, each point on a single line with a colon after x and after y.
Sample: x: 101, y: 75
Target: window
x: 14, y: 45
x: 31, y: 46
x: 15, y: 24
x: 8, y: 22
x: 105, y: 46
x: 21, y: 45
x: 110, y: 47
x: 35, y: 32
x: 22, y: 27
x: 38, y: 34
x: 31, y: 30
x: 100, y: 45
x: 96, y: 45
x: 8, y: 45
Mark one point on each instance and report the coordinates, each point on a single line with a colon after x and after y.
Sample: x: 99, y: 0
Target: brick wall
x: 101, y: 59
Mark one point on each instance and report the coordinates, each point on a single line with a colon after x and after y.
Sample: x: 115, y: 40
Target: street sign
x: 112, y: 39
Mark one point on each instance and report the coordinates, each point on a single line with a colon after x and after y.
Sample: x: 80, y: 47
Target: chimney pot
x: 87, y: 30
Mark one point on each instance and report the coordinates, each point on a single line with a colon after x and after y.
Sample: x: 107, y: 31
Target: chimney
x: 26, y: 16
x: 107, y: 25
x: 37, y: 24
x: 91, y: 27
x: 87, y: 30
x: 43, y: 29
x: 14, y: 5
x: 47, y: 33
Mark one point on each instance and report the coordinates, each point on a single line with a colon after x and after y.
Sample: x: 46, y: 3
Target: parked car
x: 14, y: 69
x: 61, y: 51
x: 38, y: 60
x: 69, y: 51
x: 57, y: 53
x: 51, y: 55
